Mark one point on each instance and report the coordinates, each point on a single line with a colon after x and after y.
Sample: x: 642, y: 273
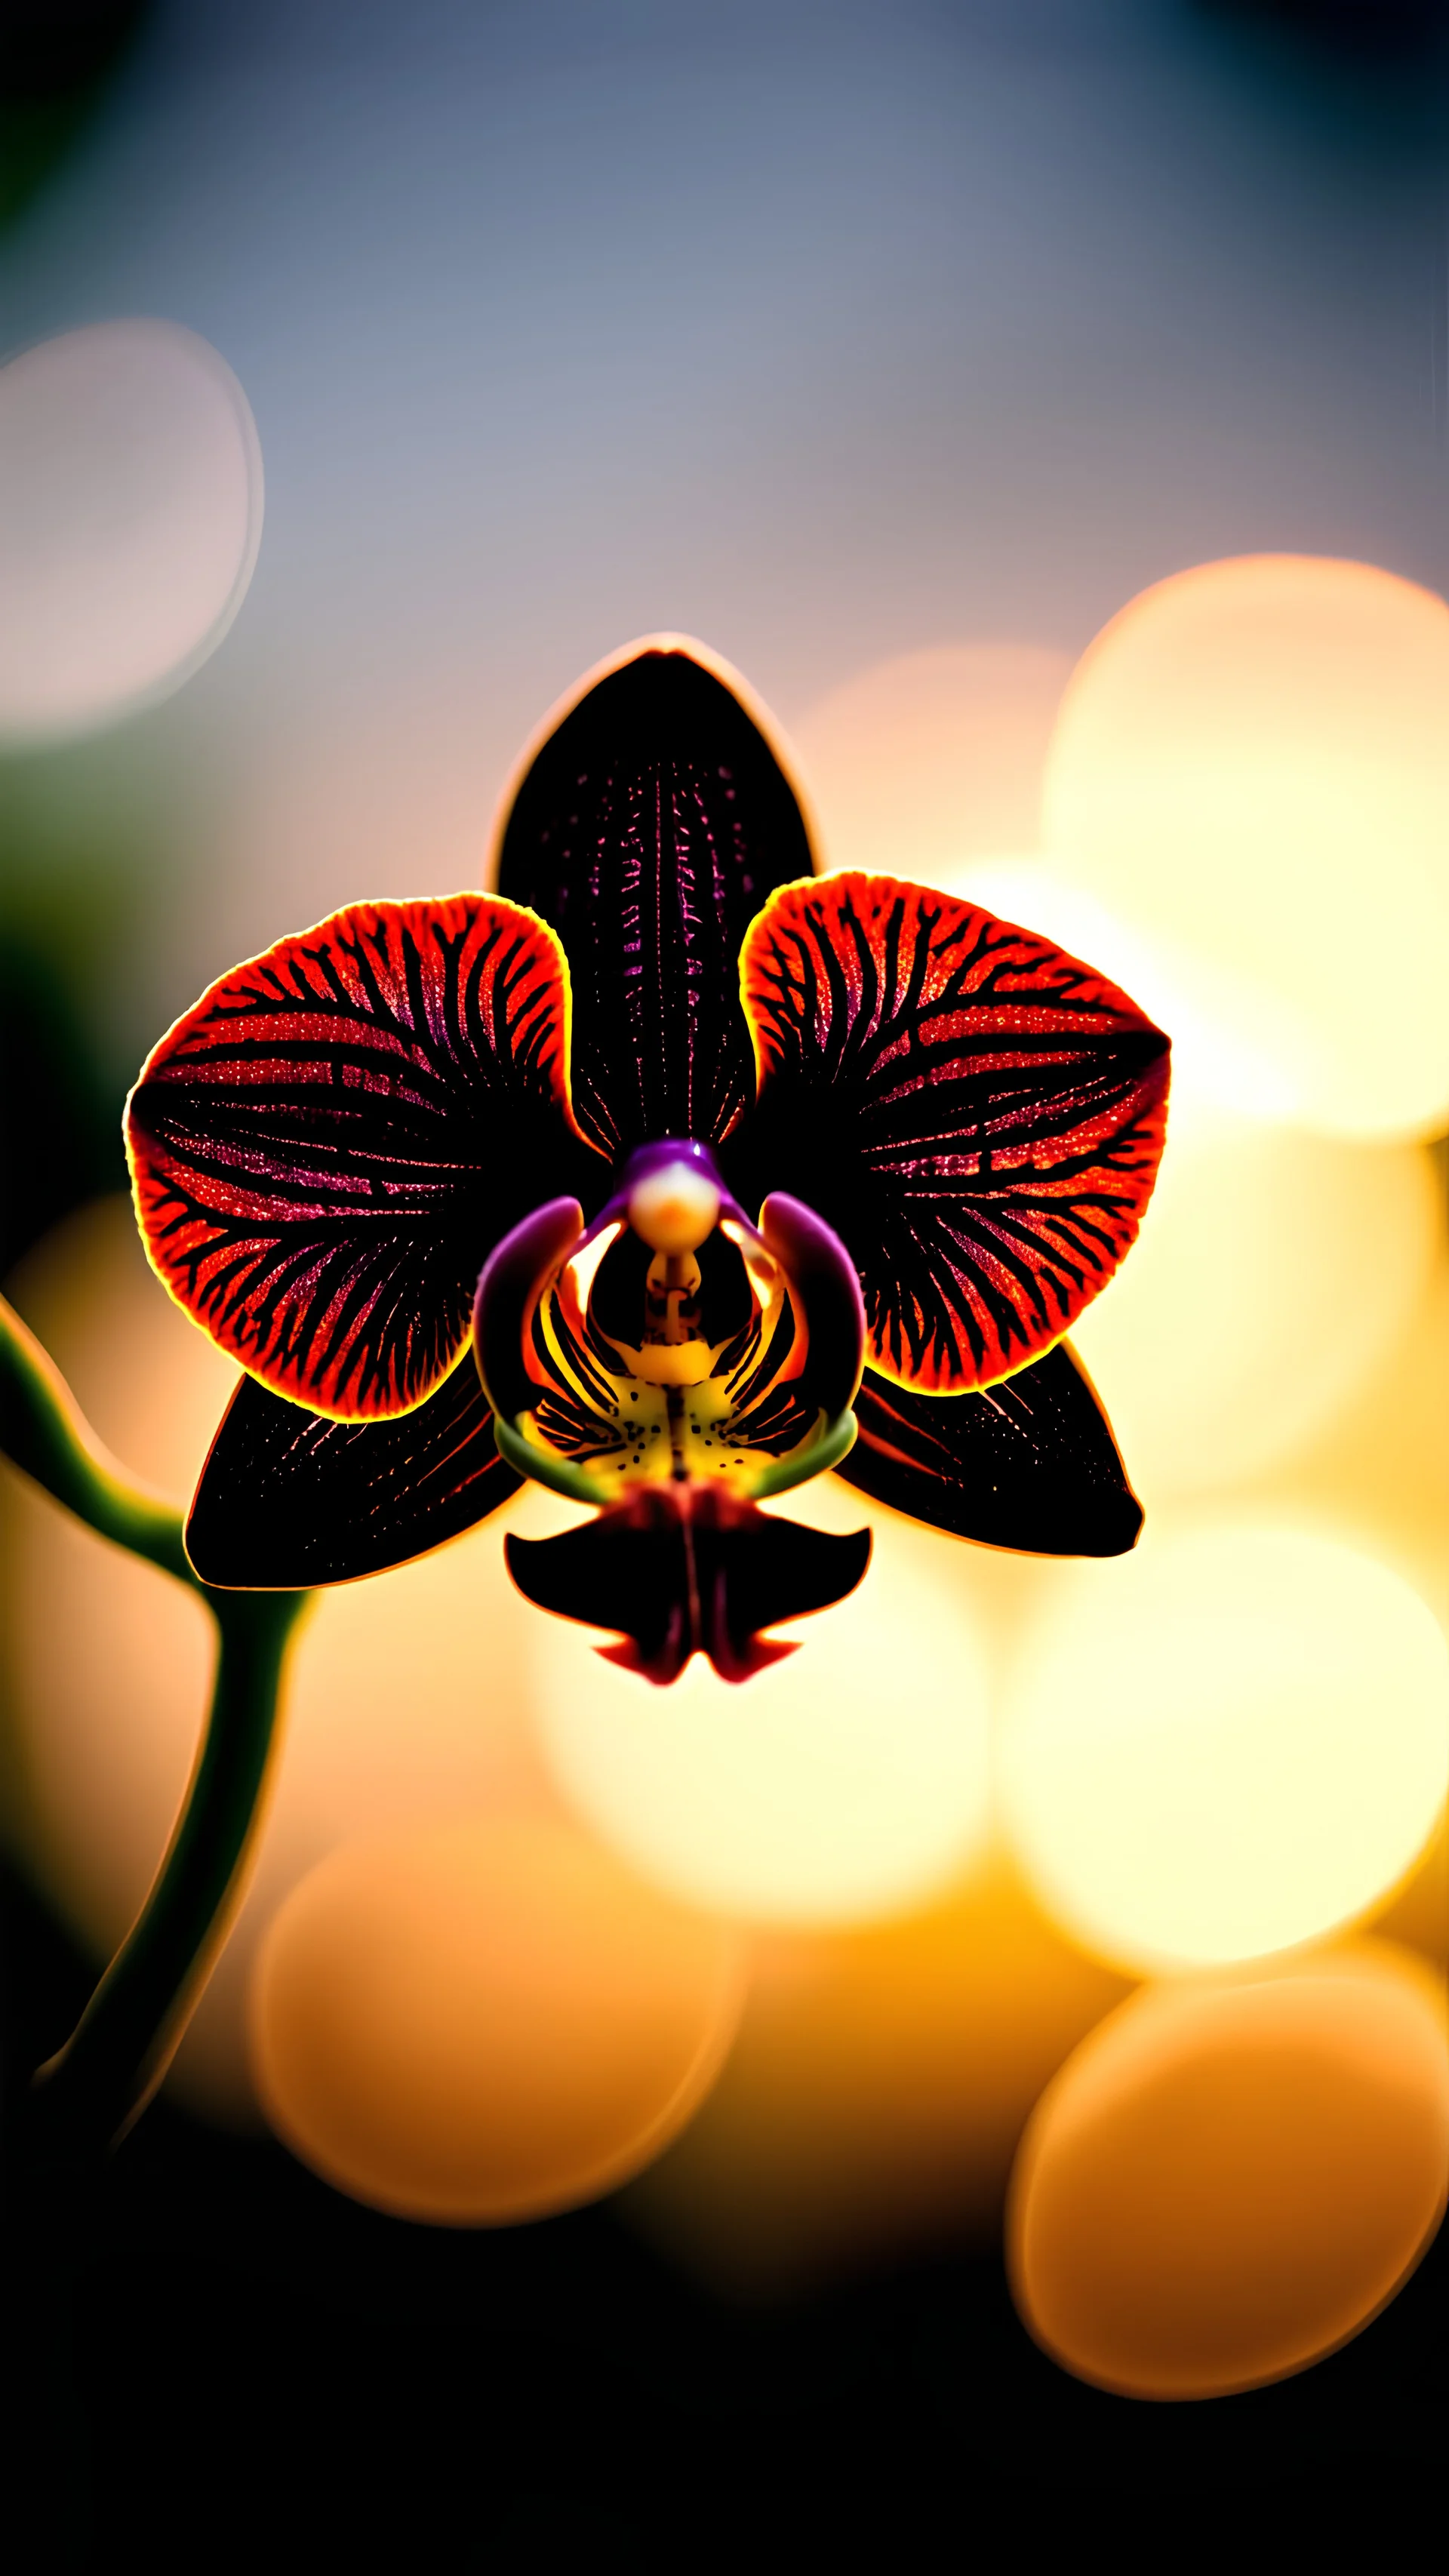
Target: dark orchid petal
x: 325, y: 1148
x: 289, y: 1498
x: 1029, y: 1463
x: 686, y: 1569
x: 978, y: 1116
x: 648, y: 831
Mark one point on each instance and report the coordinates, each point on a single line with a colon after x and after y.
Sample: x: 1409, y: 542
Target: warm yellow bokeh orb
x: 1251, y: 763
x: 849, y: 1780
x: 1225, y: 2182
x: 1378, y: 1475
x: 486, y: 2022
x: 1273, y: 1273
x: 1228, y: 1743
x: 915, y: 763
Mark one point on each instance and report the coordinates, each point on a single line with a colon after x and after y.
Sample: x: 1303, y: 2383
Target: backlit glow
x: 918, y: 763
x: 1274, y: 1271
x: 1215, y: 1066
x: 1251, y: 764
x: 1228, y: 1743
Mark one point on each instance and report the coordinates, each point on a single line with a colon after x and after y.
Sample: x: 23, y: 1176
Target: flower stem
x: 90, y: 2092
x: 43, y: 1432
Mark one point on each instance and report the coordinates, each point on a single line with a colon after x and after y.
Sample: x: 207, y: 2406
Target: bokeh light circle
x: 1224, y: 2183
x: 915, y: 763
x: 486, y: 2022
x: 130, y: 518
x: 850, y: 1780
x: 1273, y: 1272
x: 1225, y: 1744
x: 1251, y: 764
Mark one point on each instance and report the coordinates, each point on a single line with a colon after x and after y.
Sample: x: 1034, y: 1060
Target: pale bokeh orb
x: 848, y: 1781
x: 406, y: 1697
x: 1274, y: 1271
x: 1232, y: 1741
x: 1225, y: 2182
x: 918, y: 762
x: 1378, y: 1476
x: 130, y: 518
x: 487, y: 2021
x: 1251, y: 764
x: 876, y: 2091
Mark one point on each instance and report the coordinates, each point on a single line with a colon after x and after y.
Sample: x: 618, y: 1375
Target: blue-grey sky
x: 824, y: 331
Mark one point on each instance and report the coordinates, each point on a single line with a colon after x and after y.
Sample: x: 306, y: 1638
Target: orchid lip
x: 680, y: 1570
x: 672, y: 1340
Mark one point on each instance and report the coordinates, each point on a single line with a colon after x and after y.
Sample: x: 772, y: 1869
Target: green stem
x: 43, y: 1432
x: 116, y: 2056
x: 89, y: 2093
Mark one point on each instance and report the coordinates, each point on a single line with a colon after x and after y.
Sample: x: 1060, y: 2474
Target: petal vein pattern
x: 978, y: 1116
x: 648, y: 830
x: 325, y: 1148
x: 1028, y: 1464
x: 289, y: 1498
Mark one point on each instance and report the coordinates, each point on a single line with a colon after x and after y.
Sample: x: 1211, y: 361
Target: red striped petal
x: 978, y: 1116
x: 325, y: 1149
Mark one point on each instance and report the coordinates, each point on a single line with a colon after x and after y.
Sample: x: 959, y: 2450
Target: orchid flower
x: 670, y: 1173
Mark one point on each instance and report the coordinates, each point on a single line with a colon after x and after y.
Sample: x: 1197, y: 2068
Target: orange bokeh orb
x: 1226, y: 2182
x: 486, y: 2022
x: 917, y: 763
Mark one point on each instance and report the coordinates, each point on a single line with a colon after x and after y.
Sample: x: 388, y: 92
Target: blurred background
x: 1045, y: 405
